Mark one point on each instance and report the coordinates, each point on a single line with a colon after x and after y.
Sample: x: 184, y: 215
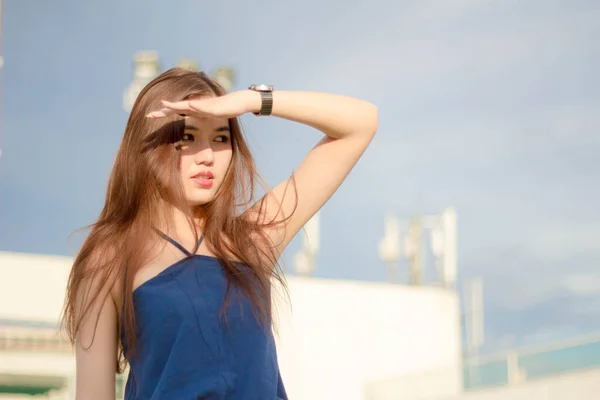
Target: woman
x: 174, y: 277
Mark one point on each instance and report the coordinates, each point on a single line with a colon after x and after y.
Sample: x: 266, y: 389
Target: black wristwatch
x: 266, y: 94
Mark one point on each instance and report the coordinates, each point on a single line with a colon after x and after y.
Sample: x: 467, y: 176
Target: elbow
x: 371, y: 120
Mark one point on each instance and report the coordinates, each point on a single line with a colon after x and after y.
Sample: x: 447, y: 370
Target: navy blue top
x: 186, y: 350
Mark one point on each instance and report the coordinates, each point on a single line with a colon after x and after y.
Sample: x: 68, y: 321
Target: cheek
x: 184, y: 163
x: 224, y: 159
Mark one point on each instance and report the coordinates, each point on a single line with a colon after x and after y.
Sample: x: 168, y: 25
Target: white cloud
x: 583, y: 284
x: 565, y: 240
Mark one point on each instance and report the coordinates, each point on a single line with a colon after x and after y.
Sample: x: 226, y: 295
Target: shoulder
x: 95, y: 273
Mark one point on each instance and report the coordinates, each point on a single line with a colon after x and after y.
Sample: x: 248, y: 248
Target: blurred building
x: 334, y: 339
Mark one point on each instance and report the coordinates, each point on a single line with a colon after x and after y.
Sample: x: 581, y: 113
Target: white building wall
x: 341, y: 335
x: 425, y: 385
x: 336, y: 337
x: 583, y: 385
x: 32, y: 287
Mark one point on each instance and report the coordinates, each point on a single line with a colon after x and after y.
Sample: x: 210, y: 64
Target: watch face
x: 262, y: 88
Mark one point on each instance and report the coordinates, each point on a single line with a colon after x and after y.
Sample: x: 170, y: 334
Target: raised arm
x: 349, y: 126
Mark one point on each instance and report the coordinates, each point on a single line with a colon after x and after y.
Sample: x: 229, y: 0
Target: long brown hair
x: 145, y: 177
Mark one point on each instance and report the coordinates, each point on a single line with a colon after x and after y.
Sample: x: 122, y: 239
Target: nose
x: 204, y: 155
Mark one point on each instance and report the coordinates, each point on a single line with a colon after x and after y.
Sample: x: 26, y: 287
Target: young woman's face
x: 205, y: 155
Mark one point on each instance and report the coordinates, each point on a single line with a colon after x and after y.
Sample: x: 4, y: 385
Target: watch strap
x: 267, y: 103
x: 266, y: 96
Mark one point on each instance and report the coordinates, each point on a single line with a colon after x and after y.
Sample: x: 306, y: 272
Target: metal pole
x: 449, y: 261
x: 474, y: 325
x: 512, y: 368
x: 415, y: 233
x: 305, y: 260
x: 389, y: 246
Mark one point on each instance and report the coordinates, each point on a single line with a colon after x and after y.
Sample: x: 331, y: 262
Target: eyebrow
x: 219, y: 129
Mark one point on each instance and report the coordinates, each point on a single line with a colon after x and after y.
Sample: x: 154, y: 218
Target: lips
x: 204, y: 174
x: 203, y: 179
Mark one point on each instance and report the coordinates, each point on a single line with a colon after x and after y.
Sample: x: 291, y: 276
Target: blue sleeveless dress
x: 186, y: 350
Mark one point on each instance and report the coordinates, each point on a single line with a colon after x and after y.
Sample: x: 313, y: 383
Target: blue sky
x: 489, y: 107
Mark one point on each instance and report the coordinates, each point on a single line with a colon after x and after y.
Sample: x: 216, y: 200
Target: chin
x: 198, y: 202
x: 199, y: 199
x: 200, y: 196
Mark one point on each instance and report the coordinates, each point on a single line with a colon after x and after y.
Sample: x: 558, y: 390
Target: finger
x: 189, y: 107
x: 163, y: 112
x: 194, y: 106
x: 177, y: 106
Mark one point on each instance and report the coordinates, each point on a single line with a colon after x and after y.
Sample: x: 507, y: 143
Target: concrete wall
x: 337, y: 337
x: 32, y: 287
x: 416, y: 386
x: 342, y: 335
x: 584, y: 385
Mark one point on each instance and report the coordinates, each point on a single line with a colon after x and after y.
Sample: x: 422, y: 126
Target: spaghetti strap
x: 176, y: 244
x: 173, y: 242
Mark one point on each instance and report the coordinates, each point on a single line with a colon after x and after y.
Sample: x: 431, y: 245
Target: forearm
x: 335, y: 115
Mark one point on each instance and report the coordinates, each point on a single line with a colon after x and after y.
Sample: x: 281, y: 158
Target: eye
x: 222, y: 139
x: 187, y: 137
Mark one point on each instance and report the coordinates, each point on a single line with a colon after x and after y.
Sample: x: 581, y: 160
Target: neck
x: 179, y: 224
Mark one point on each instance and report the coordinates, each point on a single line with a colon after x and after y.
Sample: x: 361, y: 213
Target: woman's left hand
x: 231, y: 105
